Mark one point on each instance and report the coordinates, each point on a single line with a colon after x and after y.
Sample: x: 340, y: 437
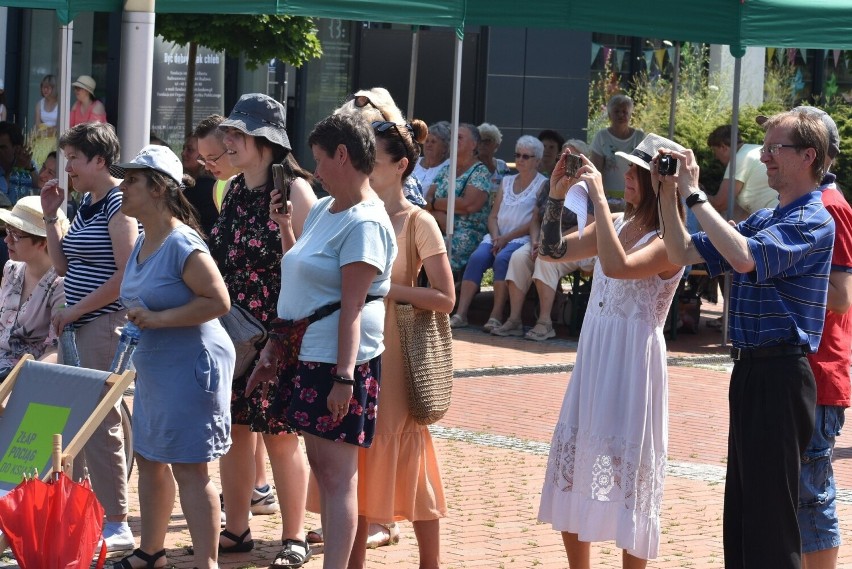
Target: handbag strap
x: 317, y: 314
x: 411, y: 238
x: 469, y: 176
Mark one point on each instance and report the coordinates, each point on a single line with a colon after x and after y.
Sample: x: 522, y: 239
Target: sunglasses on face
x: 212, y: 161
x: 519, y: 156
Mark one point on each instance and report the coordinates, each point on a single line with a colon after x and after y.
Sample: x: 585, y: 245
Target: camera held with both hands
x: 667, y: 165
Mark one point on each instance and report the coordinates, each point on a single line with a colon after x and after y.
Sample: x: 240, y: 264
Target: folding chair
x: 46, y: 399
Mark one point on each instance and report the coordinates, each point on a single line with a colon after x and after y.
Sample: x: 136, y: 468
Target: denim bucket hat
x: 257, y: 114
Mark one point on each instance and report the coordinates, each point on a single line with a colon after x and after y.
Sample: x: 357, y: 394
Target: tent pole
x: 732, y: 169
x: 66, y: 45
x: 454, y: 143
x: 412, y: 73
x: 136, y: 76
x: 675, y: 80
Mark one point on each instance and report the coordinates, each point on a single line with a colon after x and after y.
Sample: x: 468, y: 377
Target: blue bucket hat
x: 260, y: 115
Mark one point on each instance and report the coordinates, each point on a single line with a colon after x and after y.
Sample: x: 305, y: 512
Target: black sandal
x: 240, y: 543
x: 148, y: 559
x: 290, y: 556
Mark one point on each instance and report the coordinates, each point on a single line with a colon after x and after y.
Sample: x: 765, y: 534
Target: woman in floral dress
x: 247, y: 246
x: 472, y: 206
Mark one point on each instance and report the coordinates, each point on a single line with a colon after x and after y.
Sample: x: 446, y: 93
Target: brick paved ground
x: 493, y: 447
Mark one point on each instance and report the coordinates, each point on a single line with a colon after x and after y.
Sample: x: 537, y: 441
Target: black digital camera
x: 666, y: 165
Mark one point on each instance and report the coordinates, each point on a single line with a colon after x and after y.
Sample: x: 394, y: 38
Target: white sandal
x: 539, y: 336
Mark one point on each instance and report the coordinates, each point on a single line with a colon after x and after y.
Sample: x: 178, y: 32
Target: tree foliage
x: 292, y: 39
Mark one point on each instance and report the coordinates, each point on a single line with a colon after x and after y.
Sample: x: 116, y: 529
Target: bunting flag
x: 649, y: 58
x: 770, y: 54
x: 607, y: 51
x: 596, y: 47
x: 660, y: 56
x: 779, y: 55
x: 804, y: 53
x: 671, y: 52
x: 791, y: 56
x: 619, y: 58
x: 836, y: 54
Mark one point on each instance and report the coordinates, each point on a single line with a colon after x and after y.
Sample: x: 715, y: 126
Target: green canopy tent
x: 737, y: 23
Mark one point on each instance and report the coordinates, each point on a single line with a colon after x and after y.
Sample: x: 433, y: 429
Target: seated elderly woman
x: 525, y: 268
x: 490, y: 138
x: 32, y: 292
x: 508, y: 230
x: 436, y: 154
x: 473, y: 186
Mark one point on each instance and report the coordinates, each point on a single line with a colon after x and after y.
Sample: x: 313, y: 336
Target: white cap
x: 156, y: 157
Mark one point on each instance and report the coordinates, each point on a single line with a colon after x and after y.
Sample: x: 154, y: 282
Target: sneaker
x: 263, y: 501
x: 118, y: 537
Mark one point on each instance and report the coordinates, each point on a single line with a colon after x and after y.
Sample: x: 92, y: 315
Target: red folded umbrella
x: 53, y: 525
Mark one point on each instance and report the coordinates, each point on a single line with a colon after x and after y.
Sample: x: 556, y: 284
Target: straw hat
x: 156, y: 157
x: 257, y: 114
x: 647, y: 150
x: 27, y: 216
x: 85, y: 83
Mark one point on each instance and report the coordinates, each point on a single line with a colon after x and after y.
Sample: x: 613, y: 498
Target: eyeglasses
x: 384, y: 126
x: 775, y: 149
x: 519, y: 156
x: 17, y: 236
x: 205, y: 161
x: 362, y: 101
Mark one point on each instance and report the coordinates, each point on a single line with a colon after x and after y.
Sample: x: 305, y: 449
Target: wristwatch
x: 695, y: 198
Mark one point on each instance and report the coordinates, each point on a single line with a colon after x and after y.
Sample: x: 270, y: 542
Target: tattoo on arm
x: 552, y: 244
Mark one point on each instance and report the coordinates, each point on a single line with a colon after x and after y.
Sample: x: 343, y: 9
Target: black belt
x: 738, y: 354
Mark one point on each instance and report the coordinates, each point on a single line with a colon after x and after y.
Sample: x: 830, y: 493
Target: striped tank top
x: 88, y: 248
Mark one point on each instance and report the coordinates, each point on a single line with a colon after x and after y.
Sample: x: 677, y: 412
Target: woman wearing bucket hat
x: 32, y: 292
x: 184, y: 360
x: 613, y: 420
x: 247, y: 247
x: 87, y: 108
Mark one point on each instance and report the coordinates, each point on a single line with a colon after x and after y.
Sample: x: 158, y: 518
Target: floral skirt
x: 308, y: 410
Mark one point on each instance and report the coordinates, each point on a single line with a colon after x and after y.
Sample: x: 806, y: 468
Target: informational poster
x: 168, y: 101
x: 328, y: 79
x: 32, y: 444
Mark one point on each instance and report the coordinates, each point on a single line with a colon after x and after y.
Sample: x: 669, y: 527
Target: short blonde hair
x: 488, y: 131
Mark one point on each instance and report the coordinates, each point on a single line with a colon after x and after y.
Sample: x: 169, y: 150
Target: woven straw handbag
x: 427, y: 349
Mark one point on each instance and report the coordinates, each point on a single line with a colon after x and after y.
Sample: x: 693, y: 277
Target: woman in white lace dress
x: 607, y: 460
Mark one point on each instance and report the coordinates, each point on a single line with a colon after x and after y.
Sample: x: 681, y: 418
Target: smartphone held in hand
x: 280, y: 182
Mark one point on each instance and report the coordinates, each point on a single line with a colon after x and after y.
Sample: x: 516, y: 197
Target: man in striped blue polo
x: 781, y: 261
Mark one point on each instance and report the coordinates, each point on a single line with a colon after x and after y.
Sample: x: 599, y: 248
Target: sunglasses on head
x: 362, y: 101
x: 384, y: 126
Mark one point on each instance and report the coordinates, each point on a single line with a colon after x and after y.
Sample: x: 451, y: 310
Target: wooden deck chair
x: 39, y: 400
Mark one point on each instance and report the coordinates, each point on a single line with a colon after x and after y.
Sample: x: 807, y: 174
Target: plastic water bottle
x: 130, y: 335
x: 68, y: 346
